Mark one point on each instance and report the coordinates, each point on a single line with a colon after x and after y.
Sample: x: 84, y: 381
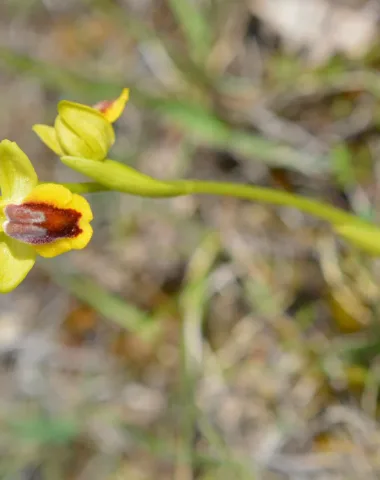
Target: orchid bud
x: 83, y: 131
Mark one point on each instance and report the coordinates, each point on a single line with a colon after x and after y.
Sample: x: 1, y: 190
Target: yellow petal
x: 16, y: 260
x: 52, y: 194
x: 112, y: 110
x: 49, y: 136
x: 17, y: 175
x: 87, y: 124
x: 49, y: 250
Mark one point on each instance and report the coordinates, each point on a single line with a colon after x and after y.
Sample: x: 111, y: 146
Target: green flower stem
x: 275, y: 197
x: 316, y: 208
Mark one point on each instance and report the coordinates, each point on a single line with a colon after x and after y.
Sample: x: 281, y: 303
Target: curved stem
x: 275, y: 197
x: 316, y: 208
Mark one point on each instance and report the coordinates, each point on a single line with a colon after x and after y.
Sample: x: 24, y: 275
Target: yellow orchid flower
x: 45, y: 219
x: 83, y: 131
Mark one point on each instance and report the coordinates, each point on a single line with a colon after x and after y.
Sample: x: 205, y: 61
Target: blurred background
x: 199, y: 338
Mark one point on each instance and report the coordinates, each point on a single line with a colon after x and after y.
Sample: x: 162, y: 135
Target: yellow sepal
x: 48, y: 135
x: 17, y: 175
x: 16, y: 260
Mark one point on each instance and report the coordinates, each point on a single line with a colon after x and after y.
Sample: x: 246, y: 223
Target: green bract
x: 120, y: 177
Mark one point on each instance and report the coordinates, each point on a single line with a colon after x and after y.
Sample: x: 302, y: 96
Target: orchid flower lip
x: 41, y: 223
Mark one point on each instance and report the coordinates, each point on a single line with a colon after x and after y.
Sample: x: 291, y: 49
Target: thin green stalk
x: 316, y: 208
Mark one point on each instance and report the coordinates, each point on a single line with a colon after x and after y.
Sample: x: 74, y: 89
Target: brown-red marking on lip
x: 40, y: 223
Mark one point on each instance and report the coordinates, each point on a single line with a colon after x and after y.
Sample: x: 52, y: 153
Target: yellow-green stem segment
x: 316, y: 208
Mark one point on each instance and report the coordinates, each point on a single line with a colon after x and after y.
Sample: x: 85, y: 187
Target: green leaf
x: 197, y: 121
x: 109, y: 305
x: 194, y: 26
x: 57, y: 77
x: 45, y: 430
x: 341, y: 160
